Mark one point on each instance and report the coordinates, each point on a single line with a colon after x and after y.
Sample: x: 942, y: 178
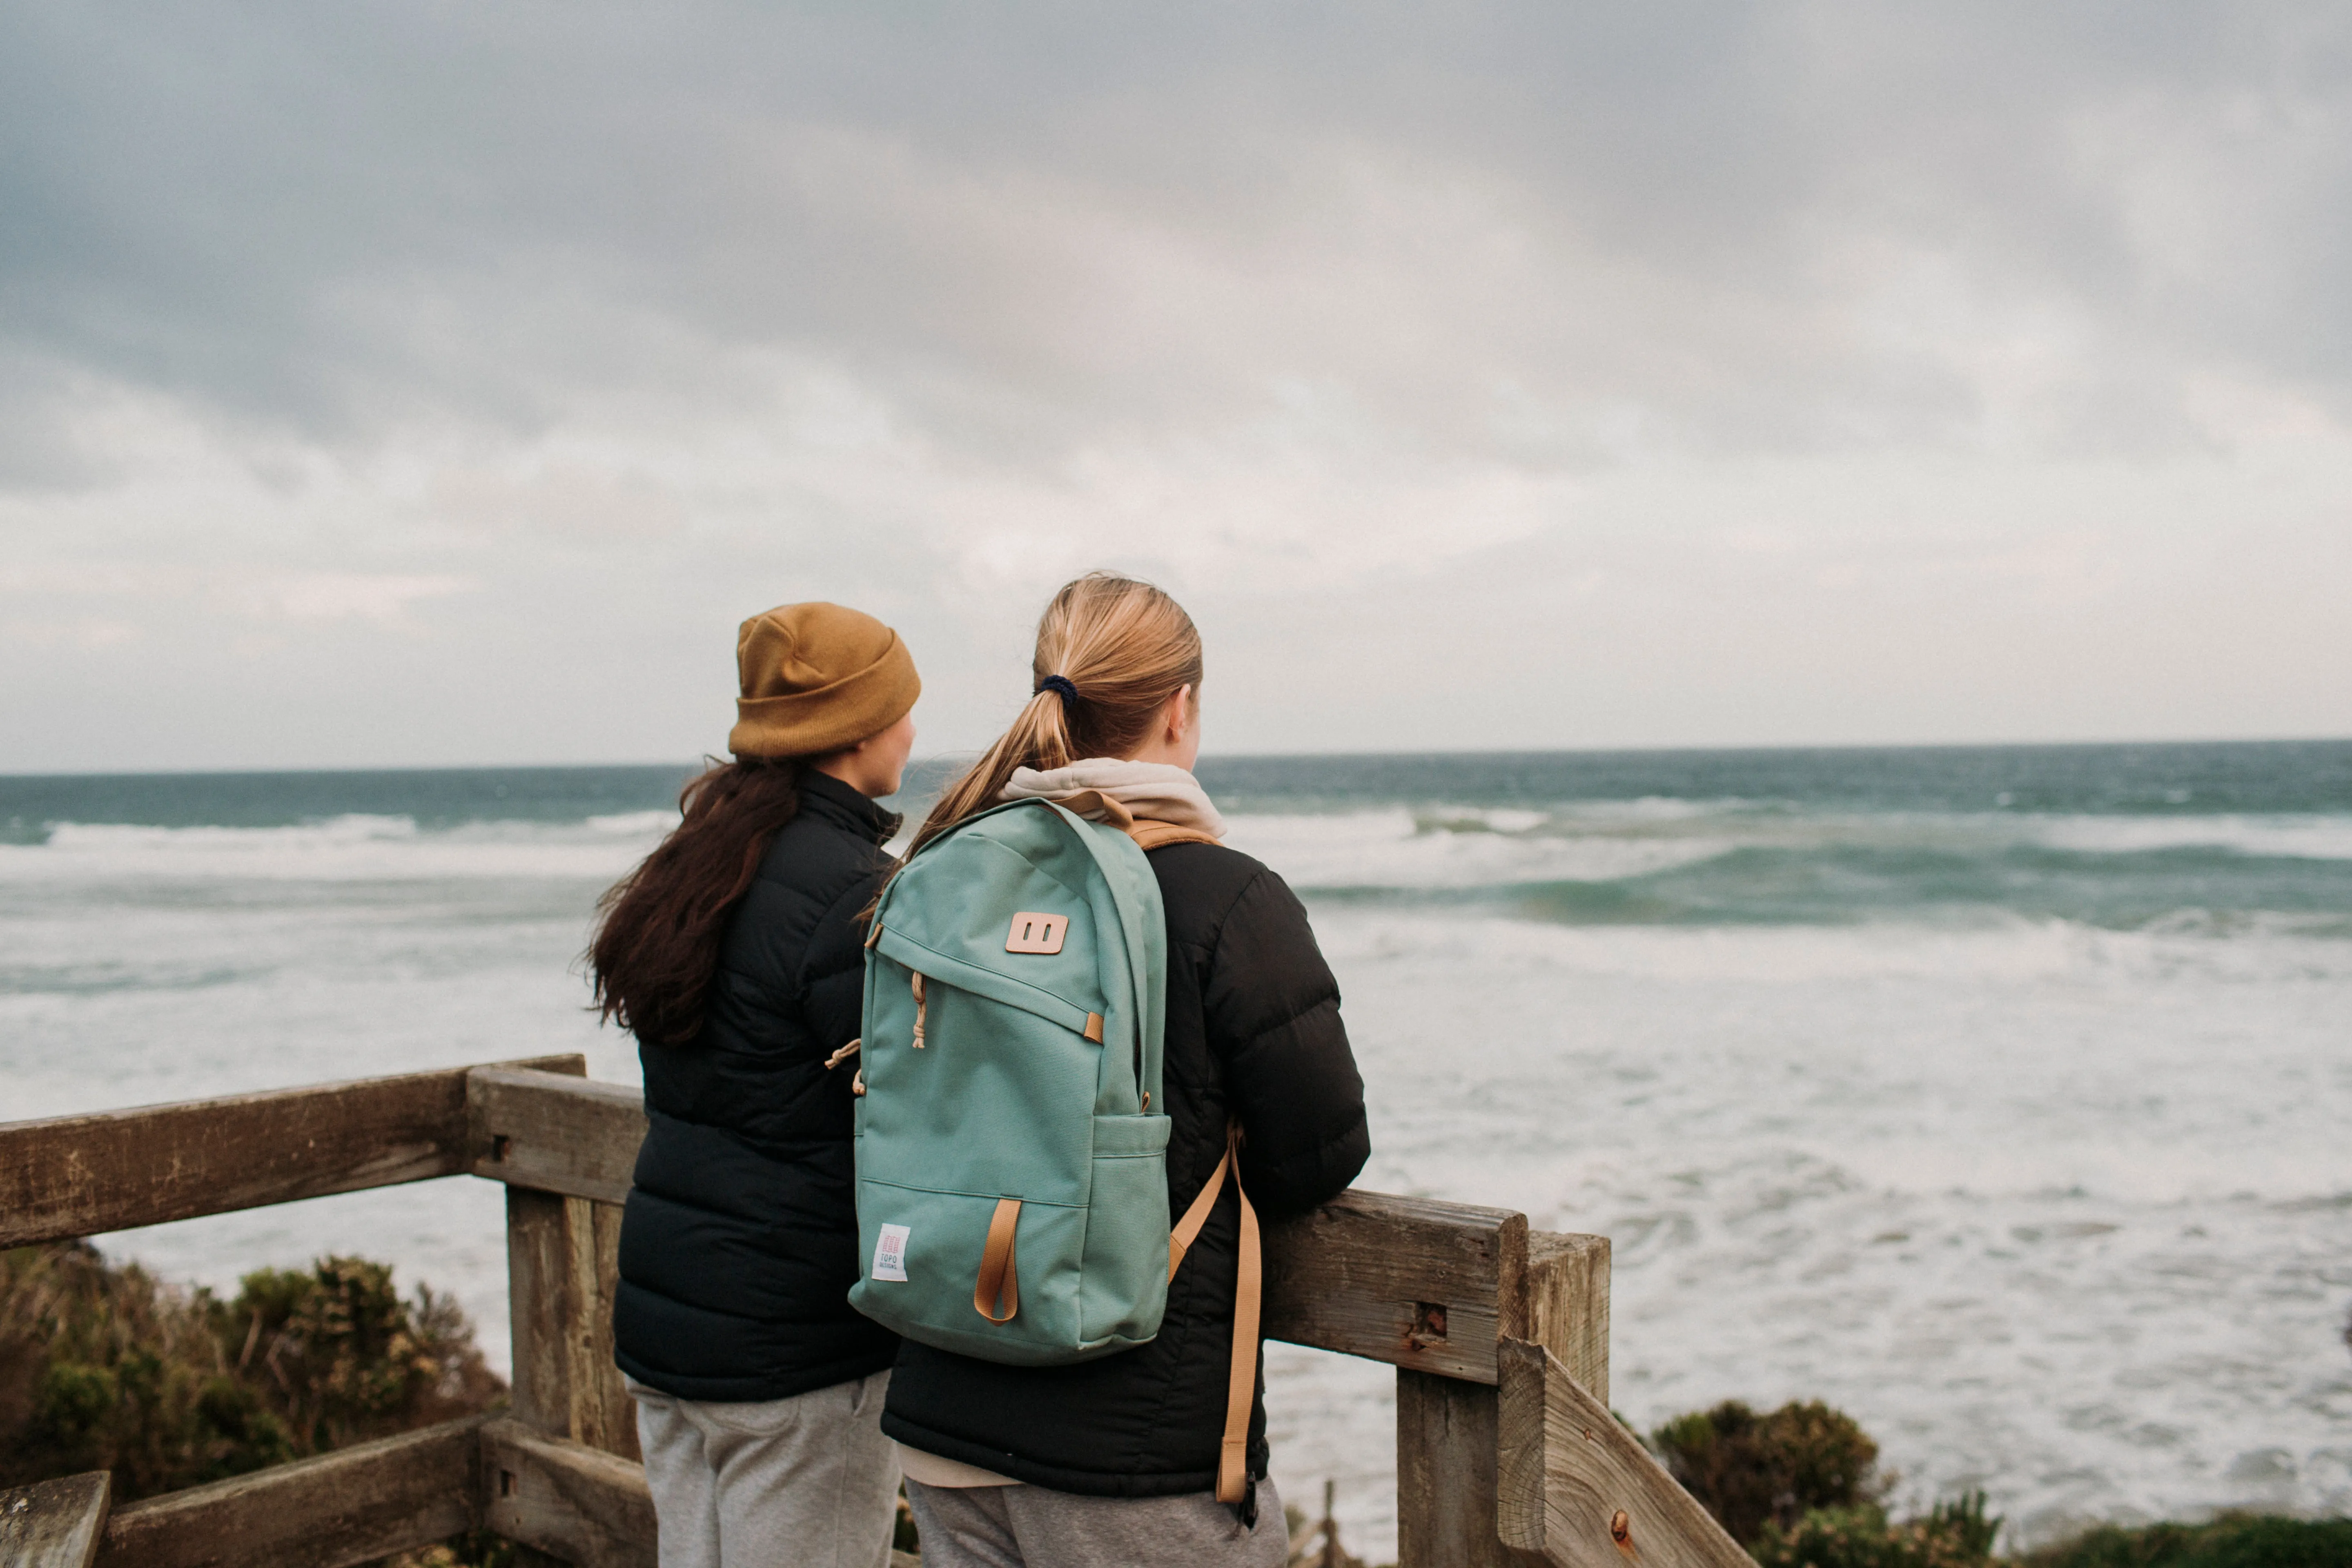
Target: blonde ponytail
x: 1123, y: 648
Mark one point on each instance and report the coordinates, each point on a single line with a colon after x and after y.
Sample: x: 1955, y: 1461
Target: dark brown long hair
x: 1125, y: 646
x: 657, y: 928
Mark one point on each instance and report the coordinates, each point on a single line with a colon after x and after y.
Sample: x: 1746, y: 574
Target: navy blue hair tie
x: 1060, y: 683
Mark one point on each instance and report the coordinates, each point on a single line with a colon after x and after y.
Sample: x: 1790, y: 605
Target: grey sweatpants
x: 1033, y: 1527
x: 805, y: 1482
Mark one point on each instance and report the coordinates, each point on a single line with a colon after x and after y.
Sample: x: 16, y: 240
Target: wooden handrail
x: 54, y: 1524
x: 1500, y: 1334
x: 553, y: 1134
x: 566, y: 1498
x: 353, y: 1505
x: 112, y: 1170
x: 1412, y: 1281
x: 1577, y: 1489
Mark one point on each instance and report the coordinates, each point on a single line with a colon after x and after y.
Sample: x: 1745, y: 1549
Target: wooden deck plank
x: 113, y: 1169
x: 354, y: 1505
x: 55, y: 1523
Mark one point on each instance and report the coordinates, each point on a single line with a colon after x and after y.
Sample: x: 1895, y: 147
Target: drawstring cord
x: 857, y: 1082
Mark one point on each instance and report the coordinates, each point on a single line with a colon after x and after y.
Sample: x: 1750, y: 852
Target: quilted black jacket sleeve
x: 1271, y: 1015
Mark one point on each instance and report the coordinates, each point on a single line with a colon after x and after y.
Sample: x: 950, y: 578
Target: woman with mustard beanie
x: 732, y: 954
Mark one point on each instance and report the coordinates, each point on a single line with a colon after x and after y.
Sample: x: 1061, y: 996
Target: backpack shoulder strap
x: 1150, y: 835
x: 1240, y: 1384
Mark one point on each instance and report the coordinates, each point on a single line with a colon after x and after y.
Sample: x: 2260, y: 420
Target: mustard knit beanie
x: 817, y: 678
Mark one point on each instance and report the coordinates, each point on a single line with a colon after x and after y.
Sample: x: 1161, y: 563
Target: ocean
x: 1999, y: 1096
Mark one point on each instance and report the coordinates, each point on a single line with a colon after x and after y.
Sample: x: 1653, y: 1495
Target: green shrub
x: 478, y: 1549
x: 1950, y: 1535
x: 2233, y: 1540
x: 346, y: 1357
x: 104, y: 1367
x: 1750, y: 1471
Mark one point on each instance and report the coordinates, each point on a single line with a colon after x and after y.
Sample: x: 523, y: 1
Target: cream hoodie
x: 1156, y: 791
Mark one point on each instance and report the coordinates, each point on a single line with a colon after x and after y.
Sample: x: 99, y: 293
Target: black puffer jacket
x: 740, y: 1242
x: 1252, y: 1030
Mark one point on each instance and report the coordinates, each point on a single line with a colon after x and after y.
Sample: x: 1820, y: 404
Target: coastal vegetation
x: 103, y: 1366
x: 1752, y: 1470
x: 1800, y: 1488
x: 2232, y: 1541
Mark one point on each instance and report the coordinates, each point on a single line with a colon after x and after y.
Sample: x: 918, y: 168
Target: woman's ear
x: 1180, y: 712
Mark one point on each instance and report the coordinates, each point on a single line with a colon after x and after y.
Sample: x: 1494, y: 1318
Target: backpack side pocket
x: 1125, y: 1289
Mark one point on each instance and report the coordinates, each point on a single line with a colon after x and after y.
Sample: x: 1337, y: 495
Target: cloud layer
x: 1481, y: 377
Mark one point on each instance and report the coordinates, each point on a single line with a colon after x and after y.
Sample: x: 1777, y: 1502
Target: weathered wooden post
x: 1579, y: 1492
x: 1574, y: 1488
x: 566, y: 1459
x: 562, y: 1259
x: 1548, y: 1289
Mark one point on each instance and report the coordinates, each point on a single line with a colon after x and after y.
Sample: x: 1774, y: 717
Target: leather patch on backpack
x: 1034, y: 932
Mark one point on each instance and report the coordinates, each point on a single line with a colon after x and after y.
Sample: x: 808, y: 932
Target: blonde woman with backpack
x: 1123, y: 1458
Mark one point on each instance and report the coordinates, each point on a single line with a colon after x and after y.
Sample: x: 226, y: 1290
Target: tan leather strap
x: 1095, y: 806
x: 1241, y: 1392
x: 1187, y: 1229
x: 999, y: 1277
x: 1150, y: 835
x: 1241, y: 1388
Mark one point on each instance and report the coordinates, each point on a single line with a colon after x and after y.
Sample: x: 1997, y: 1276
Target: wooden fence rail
x: 1500, y: 1335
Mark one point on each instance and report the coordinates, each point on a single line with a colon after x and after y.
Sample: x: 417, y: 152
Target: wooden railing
x: 1507, y: 1452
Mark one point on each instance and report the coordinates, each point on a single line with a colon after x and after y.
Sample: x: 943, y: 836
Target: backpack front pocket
x: 924, y: 1253
x: 995, y: 1100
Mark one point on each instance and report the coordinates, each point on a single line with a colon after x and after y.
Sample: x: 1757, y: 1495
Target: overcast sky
x: 425, y: 383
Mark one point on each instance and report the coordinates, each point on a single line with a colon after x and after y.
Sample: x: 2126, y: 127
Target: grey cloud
x: 1497, y: 228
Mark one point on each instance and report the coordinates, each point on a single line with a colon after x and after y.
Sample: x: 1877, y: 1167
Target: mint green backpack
x: 1011, y: 1169
x: 1015, y: 977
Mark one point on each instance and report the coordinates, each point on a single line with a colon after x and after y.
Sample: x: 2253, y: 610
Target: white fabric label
x: 890, y: 1253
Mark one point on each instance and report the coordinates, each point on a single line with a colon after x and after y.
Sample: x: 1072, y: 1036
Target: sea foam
x: 364, y: 848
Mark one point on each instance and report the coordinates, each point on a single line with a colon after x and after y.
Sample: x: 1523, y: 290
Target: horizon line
x: 1334, y: 755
